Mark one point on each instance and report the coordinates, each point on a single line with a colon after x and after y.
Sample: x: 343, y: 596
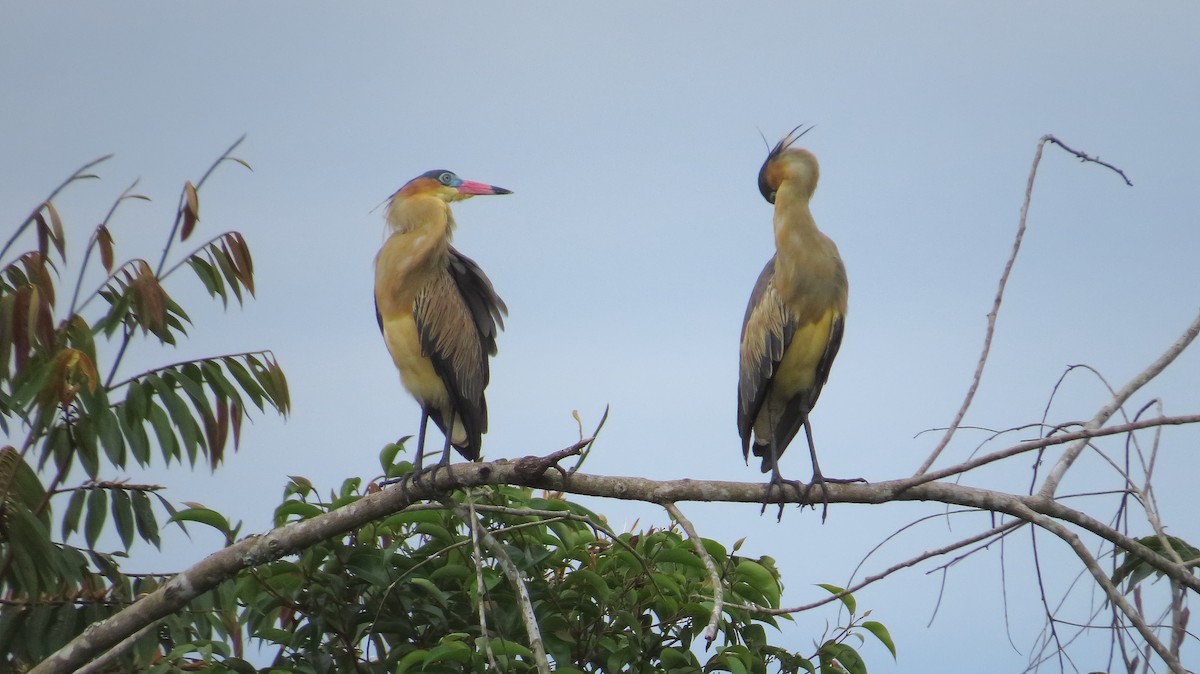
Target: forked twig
x: 514, y: 576
x: 991, y: 322
x: 1055, y: 476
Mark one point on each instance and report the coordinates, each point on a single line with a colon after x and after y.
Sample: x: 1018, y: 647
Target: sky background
x: 630, y: 136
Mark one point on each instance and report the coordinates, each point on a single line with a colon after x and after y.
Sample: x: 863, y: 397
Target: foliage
x: 404, y: 595
x: 68, y: 426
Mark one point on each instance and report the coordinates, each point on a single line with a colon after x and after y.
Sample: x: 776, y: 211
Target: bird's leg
x: 445, y: 462
x: 818, y: 478
x: 419, y: 460
x: 419, y: 463
x: 777, y: 480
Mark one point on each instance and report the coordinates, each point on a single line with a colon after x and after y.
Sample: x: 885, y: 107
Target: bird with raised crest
x: 794, y: 321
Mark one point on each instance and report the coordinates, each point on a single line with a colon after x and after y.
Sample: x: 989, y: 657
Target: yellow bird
x: 437, y: 310
x: 794, y: 321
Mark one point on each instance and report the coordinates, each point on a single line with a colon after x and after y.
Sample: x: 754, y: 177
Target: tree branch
x: 710, y: 632
x: 480, y: 534
x: 1141, y: 379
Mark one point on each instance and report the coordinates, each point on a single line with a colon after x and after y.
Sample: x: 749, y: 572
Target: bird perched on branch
x: 794, y: 321
x: 437, y: 310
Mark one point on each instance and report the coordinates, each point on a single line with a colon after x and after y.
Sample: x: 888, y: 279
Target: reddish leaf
x: 20, y: 327
x: 242, y: 260
x: 222, y: 435
x: 70, y: 367
x: 43, y: 234
x: 150, y: 299
x: 235, y: 415
x: 60, y: 239
x: 44, y: 321
x: 38, y: 275
x: 191, y: 211
x: 32, y: 311
x: 225, y: 262
x: 105, y: 241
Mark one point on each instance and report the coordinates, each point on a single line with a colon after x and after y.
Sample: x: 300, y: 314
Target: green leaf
x: 882, y: 634
x: 109, y: 430
x: 299, y: 508
x: 455, y: 651
x: 433, y: 590
x: 135, y: 435
x: 847, y: 599
x: 680, y: 556
x: 845, y: 655
x: 413, y: 658
x: 122, y: 511
x: 506, y: 647
x: 74, y: 510
x: 181, y: 416
x: 207, y: 275
x: 245, y: 380
x: 143, y: 515
x: 164, y: 432
x: 204, y: 516
x: 97, y: 509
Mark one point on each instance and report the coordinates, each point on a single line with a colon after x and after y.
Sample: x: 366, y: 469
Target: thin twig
x: 87, y: 253
x: 77, y: 175
x: 1082, y: 435
x: 1055, y: 476
x: 473, y: 526
x: 913, y: 561
x: 710, y: 632
x: 1101, y: 578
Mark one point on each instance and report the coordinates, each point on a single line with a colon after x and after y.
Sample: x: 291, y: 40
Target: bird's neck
x: 421, y: 215
x: 803, y: 253
x: 796, y: 233
x: 419, y: 239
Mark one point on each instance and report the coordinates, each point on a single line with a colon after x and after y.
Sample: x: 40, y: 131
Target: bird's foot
x: 777, y: 482
x: 821, y: 480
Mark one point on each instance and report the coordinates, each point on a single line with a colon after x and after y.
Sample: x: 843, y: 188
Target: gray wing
x: 766, y: 332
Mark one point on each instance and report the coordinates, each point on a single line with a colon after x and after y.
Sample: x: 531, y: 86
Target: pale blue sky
x: 629, y: 134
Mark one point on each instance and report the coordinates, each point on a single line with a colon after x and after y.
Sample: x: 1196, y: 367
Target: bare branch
x: 991, y: 322
x: 1114, y: 594
x: 710, y: 632
x: 1141, y: 379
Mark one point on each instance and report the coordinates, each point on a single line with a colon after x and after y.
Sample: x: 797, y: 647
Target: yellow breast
x: 416, y: 371
x: 798, y: 370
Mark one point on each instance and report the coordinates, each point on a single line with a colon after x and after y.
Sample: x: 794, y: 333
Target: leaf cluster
x: 69, y: 423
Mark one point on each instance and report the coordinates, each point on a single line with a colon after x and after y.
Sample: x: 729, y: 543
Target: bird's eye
x: 446, y: 178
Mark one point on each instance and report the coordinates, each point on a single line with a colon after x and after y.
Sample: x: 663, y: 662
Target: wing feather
x: 766, y: 333
x: 458, y: 315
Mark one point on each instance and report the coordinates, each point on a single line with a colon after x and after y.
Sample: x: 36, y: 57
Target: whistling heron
x: 437, y: 310
x: 793, y: 324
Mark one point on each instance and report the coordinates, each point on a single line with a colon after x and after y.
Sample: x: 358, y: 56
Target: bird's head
x: 446, y: 186
x: 784, y: 163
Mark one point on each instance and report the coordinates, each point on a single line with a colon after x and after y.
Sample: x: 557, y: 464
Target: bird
x: 437, y: 311
x: 795, y: 318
